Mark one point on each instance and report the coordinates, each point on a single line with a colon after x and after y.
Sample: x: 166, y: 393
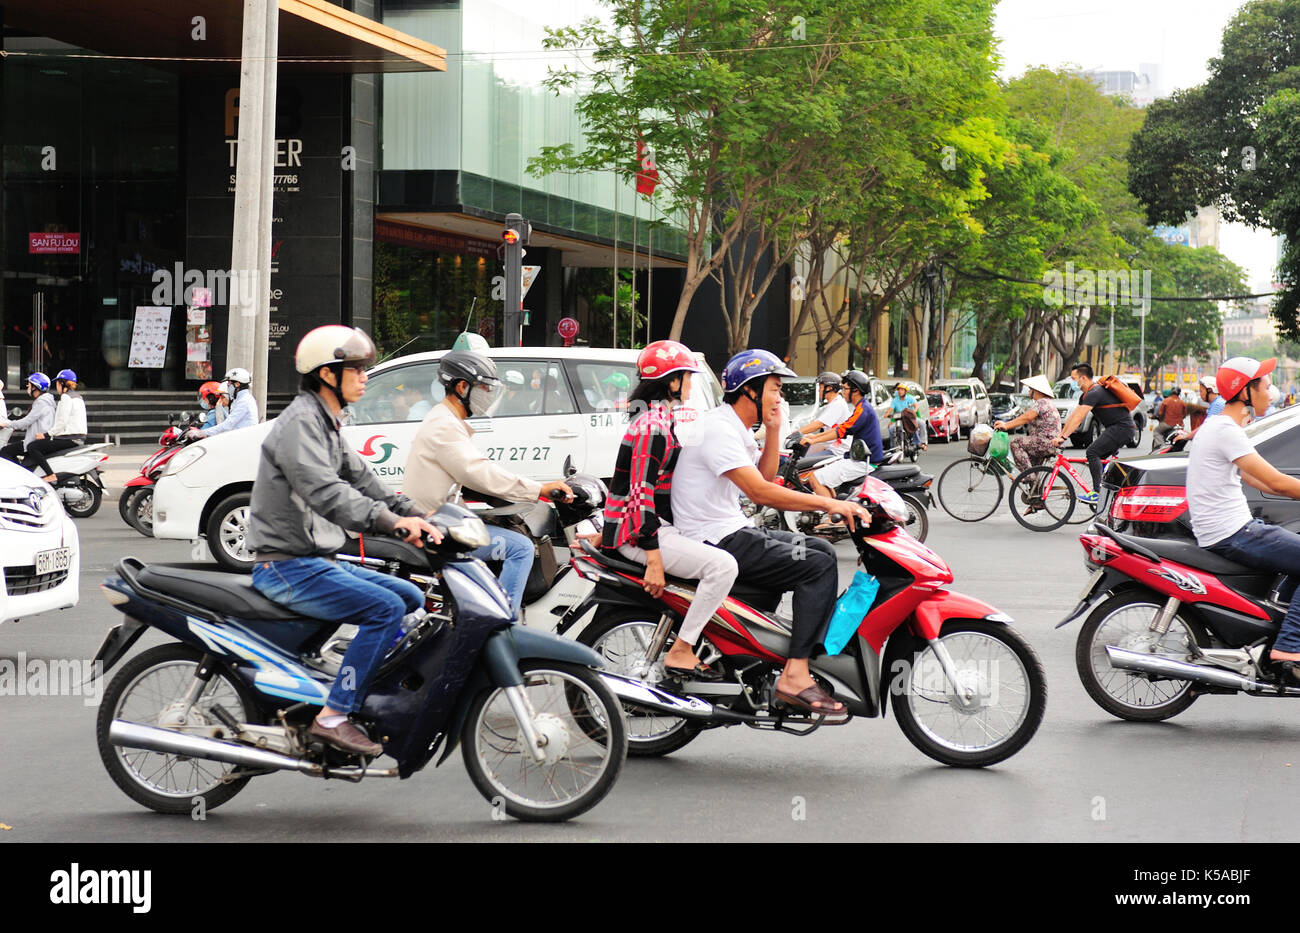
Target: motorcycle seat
x: 228, y: 593
x: 811, y: 463
x: 1189, y: 554
x: 759, y: 597
x: 896, y: 471
x: 386, y: 548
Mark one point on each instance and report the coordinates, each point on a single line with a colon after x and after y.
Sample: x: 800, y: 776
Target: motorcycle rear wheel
x: 926, y: 707
x: 621, y: 639
x: 918, y: 523
x: 145, y: 690
x: 507, y: 775
x: 1122, y: 621
x: 125, y: 506
x: 88, y: 504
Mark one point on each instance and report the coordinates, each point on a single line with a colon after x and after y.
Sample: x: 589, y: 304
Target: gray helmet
x: 829, y: 379
x: 474, y: 368
x: 857, y: 379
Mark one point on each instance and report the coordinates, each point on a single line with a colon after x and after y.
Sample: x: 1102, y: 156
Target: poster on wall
x: 198, y: 336
x: 149, y: 337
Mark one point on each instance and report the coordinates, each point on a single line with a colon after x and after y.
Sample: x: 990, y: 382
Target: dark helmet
x: 857, y: 379
x: 474, y: 368
x: 829, y: 379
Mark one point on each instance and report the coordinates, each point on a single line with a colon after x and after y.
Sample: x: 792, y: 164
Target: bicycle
x: 970, y: 489
x: 1043, y: 498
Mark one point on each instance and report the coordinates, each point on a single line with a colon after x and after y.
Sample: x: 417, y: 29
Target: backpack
x: 1118, y: 388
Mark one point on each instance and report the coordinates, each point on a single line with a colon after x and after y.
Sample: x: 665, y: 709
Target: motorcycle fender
x: 609, y: 596
x: 577, y: 611
x: 1101, y: 586
x: 533, y: 644
x: 94, y: 475
x: 116, y: 643
x: 942, y: 605
x: 138, y: 481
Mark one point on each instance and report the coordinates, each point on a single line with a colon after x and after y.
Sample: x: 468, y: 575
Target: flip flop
x: 698, y: 672
x: 805, y: 699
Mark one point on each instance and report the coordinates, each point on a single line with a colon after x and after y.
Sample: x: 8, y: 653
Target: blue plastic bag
x: 849, y: 611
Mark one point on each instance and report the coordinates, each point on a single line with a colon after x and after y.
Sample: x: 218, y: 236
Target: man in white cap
x: 1044, y: 422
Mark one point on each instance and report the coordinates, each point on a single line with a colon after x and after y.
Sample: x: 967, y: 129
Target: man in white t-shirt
x: 719, y: 460
x: 835, y: 411
x: 1220, y: 459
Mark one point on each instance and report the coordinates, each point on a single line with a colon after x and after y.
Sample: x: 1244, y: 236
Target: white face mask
x: 203, y: 403
x: 482, y: 400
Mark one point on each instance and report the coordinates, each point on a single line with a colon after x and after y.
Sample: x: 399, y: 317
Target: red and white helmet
x: 663, y: 358
x: 1236, y: 372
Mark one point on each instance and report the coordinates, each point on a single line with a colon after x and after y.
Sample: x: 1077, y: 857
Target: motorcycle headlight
x: 470, y: 532
x: 187, y: 457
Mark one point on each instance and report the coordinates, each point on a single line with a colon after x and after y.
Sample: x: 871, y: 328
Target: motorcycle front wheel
x: 1006, y: 682
x: 581, y: 765
x: 1123, y: 621
x: 622, y: 638
x: 150, y: 689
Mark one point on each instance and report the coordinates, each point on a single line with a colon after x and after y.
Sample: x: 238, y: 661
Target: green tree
x: 1233, y: 142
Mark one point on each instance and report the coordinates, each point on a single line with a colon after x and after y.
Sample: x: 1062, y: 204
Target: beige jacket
x: 443, y: 455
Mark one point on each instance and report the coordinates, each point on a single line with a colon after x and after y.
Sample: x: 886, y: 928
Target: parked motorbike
x: 968, y: 690
x: 136, y: 504
x: 1167, y: 621
x: 905, y: 479
x: 541, y: 731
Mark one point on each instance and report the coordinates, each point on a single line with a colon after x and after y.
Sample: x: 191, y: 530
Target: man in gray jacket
x: 310, y: 486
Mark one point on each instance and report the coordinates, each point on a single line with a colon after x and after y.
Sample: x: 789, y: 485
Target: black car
x: 1006, y: 405
x: 1148, y: 496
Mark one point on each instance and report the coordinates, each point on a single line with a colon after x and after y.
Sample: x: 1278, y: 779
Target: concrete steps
x: 138, y: 417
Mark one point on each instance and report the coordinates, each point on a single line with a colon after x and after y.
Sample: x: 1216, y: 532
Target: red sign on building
x: 54, y: 242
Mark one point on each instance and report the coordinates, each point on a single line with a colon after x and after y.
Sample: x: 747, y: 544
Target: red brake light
x: 1149, y: 503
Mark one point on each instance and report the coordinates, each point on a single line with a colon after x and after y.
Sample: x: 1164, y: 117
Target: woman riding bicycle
x: 1044, y: 423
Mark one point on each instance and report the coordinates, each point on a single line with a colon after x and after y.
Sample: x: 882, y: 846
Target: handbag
x: 850, y: 610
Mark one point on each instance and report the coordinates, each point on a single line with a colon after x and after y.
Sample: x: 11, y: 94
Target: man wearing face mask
x: 443, y: 455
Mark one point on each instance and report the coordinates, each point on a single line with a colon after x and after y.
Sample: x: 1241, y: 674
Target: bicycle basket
x: 980, y: 437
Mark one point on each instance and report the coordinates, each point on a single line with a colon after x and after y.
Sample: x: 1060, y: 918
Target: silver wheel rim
x: 143, y: 510
x: 145, y: 700
x: 1127, y: 627
x: 234, y: 528
x: 996, y: 672
x: 506, y: 762
x: 623, y: 647
x: 970, y: 490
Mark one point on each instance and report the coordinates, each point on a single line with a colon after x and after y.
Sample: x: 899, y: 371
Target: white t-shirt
x: 1215, y: 500
x: 835, y: 412
x: 706, y: 505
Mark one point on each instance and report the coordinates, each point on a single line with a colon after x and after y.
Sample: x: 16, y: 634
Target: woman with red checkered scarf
x: 638, y: 511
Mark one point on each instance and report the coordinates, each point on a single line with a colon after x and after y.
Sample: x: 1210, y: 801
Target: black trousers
x: 13, y: 451
x: 47, y: 446
x: 1107, y: 443
x: 788, y: 561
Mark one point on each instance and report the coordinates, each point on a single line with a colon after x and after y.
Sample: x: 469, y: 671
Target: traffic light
x: 514, y: 237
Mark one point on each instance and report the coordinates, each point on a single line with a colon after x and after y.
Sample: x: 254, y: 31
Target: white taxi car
x: 557, y: 402
x: 39, y: 550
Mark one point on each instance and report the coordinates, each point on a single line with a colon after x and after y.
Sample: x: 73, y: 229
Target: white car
x: 558, y: 402
x: 971, y: 398
x: 40, y: 556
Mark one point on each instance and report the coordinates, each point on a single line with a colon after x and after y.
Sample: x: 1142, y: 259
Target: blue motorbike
x: 540, y: 727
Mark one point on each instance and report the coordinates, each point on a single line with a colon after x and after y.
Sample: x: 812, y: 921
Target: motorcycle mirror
x: 859, y: 451
x: 569, y: 469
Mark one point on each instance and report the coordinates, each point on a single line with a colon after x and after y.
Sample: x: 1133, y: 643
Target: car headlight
x: 187, y: 457
x: 470, y: 532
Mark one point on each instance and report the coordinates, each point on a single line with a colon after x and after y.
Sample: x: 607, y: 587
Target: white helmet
x: 333, y: 343
x: 240, y: 375
x: 226, y: 389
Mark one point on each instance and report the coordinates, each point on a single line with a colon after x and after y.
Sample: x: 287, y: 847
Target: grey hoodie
x: 310, y: 486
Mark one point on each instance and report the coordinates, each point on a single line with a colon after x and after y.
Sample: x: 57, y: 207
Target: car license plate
x: 53, y: 561
x: 1092, y: 581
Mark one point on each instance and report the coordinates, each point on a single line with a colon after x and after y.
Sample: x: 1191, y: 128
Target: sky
x: 1117, y: 35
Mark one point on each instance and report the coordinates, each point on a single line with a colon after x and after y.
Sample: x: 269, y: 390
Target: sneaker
x: 1088, y: 498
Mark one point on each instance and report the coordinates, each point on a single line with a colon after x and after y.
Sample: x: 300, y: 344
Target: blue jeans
x: 333, y: 592
x: 1268, y: 547
x: 516, y: 555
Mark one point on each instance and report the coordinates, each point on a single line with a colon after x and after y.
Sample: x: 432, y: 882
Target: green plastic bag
x: 1000, y: 446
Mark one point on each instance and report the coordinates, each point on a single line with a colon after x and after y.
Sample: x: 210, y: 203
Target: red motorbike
x: 968, y: 690
x: 1168, y: 621
x: 136, y: 504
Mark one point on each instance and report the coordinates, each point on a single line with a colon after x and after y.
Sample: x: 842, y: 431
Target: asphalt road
x: 1222, y: 771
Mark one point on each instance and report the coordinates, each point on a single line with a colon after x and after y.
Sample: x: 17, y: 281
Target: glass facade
x: 491, y: 112
x: 93, y: 204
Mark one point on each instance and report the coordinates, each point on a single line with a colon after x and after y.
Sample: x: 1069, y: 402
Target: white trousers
x: 841, y: 471
x: 713, y: 567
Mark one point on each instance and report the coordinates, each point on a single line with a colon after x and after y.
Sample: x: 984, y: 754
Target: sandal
x: 804, y: 700
x: 698, y: 672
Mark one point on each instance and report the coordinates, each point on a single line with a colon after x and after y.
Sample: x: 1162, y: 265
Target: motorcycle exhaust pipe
x: 1126, y: 660
x: 642, y: 694
x: 151, y: 738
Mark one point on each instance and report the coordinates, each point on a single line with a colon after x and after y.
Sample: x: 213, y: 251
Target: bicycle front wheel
x: 970, y: 489
x: 1041, y: 502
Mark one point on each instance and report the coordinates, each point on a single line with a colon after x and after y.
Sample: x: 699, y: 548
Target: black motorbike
x: 540, y: 726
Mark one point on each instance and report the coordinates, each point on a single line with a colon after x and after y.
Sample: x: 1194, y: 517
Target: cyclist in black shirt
x: 1114, y: 418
